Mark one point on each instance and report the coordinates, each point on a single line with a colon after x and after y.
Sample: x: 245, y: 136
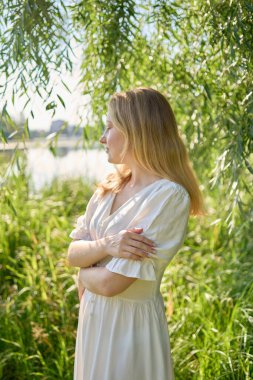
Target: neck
x: 141, y: 177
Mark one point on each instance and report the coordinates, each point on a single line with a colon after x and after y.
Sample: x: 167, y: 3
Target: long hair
x: 148, y: 124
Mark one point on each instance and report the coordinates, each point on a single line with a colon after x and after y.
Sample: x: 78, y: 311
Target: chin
x: 113, y: 161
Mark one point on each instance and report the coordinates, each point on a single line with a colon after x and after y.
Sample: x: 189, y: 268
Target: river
x: 89, y: 164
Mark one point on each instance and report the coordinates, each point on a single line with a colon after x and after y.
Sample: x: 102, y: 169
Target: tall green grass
x: 207, y: 290
x: 39, y: 303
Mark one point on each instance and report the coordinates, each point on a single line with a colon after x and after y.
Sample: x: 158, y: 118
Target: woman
x: 134, y: 224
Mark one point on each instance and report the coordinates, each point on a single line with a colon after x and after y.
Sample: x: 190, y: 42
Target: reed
x: 207, y: 290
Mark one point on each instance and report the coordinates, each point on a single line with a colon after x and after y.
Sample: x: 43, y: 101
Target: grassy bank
x: 207, y: 290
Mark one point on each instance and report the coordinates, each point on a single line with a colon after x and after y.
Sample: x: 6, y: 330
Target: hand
x: 129, y: 244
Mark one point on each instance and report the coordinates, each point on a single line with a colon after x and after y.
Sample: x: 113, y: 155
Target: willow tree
x: 197, y: 53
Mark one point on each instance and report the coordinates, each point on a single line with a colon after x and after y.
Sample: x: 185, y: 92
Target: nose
x: 102, y: 139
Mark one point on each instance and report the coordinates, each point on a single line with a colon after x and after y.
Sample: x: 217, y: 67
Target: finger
x: 136, y: 252
x: 141, y: 238
x: 143, y: 246
x: 136, y: 229
x: 132, y: 256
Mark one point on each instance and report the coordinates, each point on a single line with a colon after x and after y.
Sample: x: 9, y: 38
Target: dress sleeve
x: 143, y: 270
x: 81, y: 230
x: 164, y: 219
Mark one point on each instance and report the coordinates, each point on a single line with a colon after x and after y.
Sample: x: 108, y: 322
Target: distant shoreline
x: 43, y: 143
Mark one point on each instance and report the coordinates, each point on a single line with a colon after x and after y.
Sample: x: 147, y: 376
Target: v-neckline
x: 113, y: 195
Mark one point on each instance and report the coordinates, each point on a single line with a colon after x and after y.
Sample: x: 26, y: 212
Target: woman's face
x: 114, y: 142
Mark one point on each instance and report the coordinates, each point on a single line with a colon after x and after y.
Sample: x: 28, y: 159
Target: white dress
x: 126, y: 336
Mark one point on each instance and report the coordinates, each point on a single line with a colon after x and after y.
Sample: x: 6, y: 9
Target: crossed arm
x: 99, y: 280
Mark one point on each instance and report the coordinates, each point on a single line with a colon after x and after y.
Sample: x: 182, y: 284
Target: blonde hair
x: 149, y: 126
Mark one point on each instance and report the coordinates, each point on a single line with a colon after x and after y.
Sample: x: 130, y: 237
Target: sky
x: 42, y: 118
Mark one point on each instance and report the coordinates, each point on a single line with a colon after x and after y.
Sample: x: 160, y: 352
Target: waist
x: 125, y: 297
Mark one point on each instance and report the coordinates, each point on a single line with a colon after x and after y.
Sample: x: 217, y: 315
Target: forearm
x: 93, y: 279
x: 83, y: 253
x: 101, y: 281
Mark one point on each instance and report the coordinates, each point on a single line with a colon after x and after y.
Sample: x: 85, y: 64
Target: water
x: 90, y: 164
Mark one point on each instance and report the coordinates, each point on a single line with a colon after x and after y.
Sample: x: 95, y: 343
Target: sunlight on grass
x: 207, y: 291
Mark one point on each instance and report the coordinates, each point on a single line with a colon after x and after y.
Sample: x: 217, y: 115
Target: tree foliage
x: 199, y: 54
x: 35, y: 41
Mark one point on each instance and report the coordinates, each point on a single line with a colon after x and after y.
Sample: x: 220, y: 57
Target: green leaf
x: 52, y: 150
x: 51, y: 105
x: 10, y: 205
x: 26, y: 129
x: 3, y: 136
x: 65, y: 85
x: 61, y: 100
x: 207, y: 89
x: 13, y: 97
